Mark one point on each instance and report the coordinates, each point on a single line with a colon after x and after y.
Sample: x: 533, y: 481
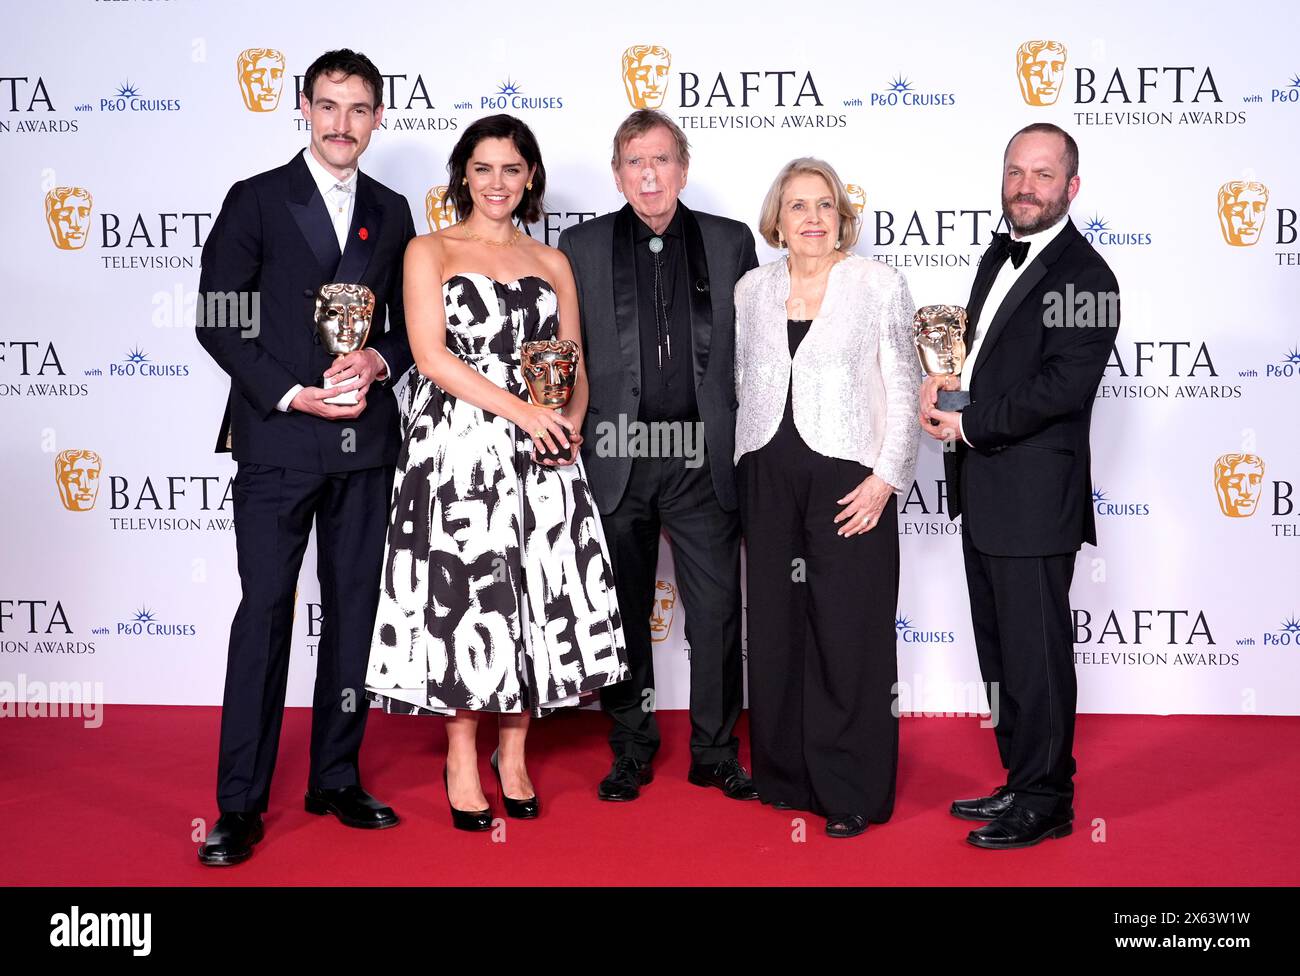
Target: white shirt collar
x: 325, y: 180
x: 1042, y: 238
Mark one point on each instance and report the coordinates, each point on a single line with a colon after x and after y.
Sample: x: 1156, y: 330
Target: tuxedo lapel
x: 1027, y: 281
x: 367, y: 218
x: 313, y: 219
x: 697, y: 280
x: 625, y: 296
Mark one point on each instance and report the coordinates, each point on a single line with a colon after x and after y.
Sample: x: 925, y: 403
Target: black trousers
x: 274, y: 509
x: 1020, y: 609
x: 663, y: 493
x: 820, y: 613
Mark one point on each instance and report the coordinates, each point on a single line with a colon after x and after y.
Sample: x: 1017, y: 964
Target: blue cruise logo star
x: 902, y: 623
x: 144, y: 615
x: 1295, y: 81
x: 1293, y: 357
x: 900, y: 85
x: 137, y: 356
x: 127, y: 91
x: 1292, y: 625
x: 509, y: 87
x: 1098, y: 494
x: 1096, y: 225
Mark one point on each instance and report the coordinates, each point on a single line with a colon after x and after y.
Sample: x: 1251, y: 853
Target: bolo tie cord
x: 664, y: 339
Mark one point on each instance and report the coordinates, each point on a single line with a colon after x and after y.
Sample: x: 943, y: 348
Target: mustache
x: 1026, y: 198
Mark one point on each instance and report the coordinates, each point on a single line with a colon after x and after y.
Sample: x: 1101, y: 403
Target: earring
x: 464, y: 181
x: 780, y: 241
x: 528, y: 185
x: 837, y: 245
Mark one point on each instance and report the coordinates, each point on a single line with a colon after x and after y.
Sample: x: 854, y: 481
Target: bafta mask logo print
x: 261, y: 78
x: 77, y: 475
x: 67, y: 214
x: 661, y: 613
x: 1040, y: 70
x: 1242, y: 205
x: 857, y: 197
x: 1239, y: 483
x: 645, y: 74
x: 438, y: 209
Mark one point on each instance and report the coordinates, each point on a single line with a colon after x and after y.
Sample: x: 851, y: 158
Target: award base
x: 560, y: 455
x: 950, y: 400
x: 348, y: 399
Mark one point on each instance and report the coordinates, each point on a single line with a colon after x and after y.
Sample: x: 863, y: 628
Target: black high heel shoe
x: 466, y: 819
x: 519, y: 809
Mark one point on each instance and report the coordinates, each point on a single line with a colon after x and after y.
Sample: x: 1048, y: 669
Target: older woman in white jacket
x: 827, y: 380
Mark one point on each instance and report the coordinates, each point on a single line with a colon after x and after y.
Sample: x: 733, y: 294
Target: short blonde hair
x: 769, y: 217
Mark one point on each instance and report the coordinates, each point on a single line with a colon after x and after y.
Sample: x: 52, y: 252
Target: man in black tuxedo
x: 1043, y: 314
x: 655, y: 284
x: 280, y: 236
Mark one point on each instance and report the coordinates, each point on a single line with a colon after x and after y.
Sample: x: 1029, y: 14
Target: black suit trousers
x: 705, y: 542
x: 274, y: 509
x: 1020, y: 610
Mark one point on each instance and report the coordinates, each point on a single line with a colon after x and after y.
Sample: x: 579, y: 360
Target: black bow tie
x: 1004, y: 246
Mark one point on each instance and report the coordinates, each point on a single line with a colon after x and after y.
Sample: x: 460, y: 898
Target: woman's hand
x: 576, y: 441
x: 862, y: 506
x: 549, y: 429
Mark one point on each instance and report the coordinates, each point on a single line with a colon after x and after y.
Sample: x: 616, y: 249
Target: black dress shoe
x: 1021, y: 827
x: 625, y: 779
x: 466, y: 819
x: 782, y: 805
x: 846, y: 826
x: 353, y: 806
x: 231, y: 839
x: 984, y: 807
x: 728, y: 776
x: 527, y: 809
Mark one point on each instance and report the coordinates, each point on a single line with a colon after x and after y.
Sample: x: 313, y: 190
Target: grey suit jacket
x: 719, y: 251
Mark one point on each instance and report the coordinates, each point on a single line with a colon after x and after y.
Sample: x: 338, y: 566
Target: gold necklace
x: 508, y: 242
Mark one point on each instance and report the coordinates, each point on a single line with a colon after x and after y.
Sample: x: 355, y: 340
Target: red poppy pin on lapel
x: 363, y: 234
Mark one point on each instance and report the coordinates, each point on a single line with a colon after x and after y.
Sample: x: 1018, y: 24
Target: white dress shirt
x: 340, y: 200
x: 1005, y: 280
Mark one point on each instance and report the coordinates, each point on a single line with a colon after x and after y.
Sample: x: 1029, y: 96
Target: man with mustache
x: 301, y: 459
x: 1043, y: 314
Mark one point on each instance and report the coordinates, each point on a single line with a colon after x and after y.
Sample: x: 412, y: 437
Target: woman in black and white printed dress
x: 497, y: 592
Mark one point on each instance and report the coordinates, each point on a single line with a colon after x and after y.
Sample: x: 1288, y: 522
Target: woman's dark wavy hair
x: 497, y: 127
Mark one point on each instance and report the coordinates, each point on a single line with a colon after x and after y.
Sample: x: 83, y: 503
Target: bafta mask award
x: 940, y: 335
x: 343, y: 316
x: 550, y: 369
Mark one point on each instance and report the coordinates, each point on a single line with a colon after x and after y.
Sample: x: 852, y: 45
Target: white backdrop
x: 1180, y: 609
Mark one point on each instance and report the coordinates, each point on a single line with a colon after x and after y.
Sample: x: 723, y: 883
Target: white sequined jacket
x: 855, y: 374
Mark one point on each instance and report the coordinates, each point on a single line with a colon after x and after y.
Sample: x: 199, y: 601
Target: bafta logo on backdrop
x: 645, y: 74
x: 67, y: 214
x: 661, y: 613
x: 438, y: 210
x: 1242, y: 205
x: 261, y: 78
x: 857, y: 197
x: 77, y: 475
x: 1239, y: 483
x: 1040, y: 70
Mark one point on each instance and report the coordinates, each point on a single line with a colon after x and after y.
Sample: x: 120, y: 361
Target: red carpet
x: 1185, y: 800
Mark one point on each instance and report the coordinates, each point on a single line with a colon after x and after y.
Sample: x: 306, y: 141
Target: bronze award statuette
x: 343, y: 316
x: 940, y: 335
x: 550, y: 369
